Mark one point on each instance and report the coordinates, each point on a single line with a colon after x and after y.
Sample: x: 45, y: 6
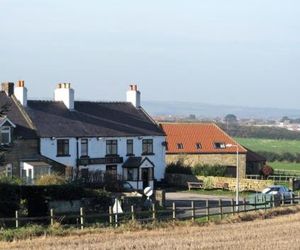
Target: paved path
x: 183, y: 201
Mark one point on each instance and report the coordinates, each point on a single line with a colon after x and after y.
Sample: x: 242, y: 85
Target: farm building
x: 207, y: 144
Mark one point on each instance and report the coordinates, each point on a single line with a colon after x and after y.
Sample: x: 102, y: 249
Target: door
x: 145, y: 177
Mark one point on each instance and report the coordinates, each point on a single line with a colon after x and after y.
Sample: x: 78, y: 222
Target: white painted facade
x: 97, y: 149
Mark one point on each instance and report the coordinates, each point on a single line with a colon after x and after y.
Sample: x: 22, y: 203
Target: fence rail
x: 154, y: 213
x: 279, y: 178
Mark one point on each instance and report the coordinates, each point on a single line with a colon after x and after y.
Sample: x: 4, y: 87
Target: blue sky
x: 212, y: 51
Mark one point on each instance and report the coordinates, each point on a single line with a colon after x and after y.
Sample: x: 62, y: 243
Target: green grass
x: 276, y: 146
x: 285, y: 165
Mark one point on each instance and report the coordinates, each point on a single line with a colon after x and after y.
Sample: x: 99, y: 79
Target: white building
x: 89, y: 137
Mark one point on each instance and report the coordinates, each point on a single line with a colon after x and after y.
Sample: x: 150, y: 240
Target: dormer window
x: 198, y: 145
x: 179, y: 145
x: 6, y: 128
x: 5, y: 135
x: 219, y: 145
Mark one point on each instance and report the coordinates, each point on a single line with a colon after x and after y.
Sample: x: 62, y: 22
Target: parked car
x: 279, y: 192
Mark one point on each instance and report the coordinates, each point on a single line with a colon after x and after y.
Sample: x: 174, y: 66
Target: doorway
x: 145, y: 177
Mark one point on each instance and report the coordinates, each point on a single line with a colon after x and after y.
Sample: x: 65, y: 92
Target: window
x: 129, y: 147
x: 132, y: 174
x: 112, y: 170
x: 111, y: 147
x: 62, y: 147
x: 198, y: 145
x: 84, y: 147
x: 179, y: 145
x: 220, y: 145
x: 147, y: 146
x: 5, y: 135
x: 8, y: 170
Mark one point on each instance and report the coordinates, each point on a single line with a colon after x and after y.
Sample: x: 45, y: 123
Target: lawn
x: 285, y: 165
x: 276, y: 146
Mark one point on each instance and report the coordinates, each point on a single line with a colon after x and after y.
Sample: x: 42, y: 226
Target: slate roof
x: 90, y: 119
x: 135, y: 162
x: 23, y: 128
x: 254, y: 157
x: 189, y: 134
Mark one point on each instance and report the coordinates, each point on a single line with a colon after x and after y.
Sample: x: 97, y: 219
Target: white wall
x: 97, y: 149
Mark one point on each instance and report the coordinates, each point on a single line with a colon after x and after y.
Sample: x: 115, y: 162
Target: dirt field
x: 278, y: 233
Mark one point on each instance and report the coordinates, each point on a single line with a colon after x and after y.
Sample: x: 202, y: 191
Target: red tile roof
x: 189, y: 134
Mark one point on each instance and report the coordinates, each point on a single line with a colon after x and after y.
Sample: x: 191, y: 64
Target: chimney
x: 8, y: 87
x: 65, y: 94
x: 21, y: 92
x: 134, y: 96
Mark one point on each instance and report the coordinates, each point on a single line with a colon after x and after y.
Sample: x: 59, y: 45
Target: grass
x: 276, y: 146
x: 243, y: 231
x: 285, y: 165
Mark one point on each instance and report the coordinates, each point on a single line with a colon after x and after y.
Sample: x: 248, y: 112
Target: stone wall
x: 210, y: 159
x: 181, y: 180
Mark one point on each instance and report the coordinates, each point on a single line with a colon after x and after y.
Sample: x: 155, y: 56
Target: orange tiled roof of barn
x: 189, y: 134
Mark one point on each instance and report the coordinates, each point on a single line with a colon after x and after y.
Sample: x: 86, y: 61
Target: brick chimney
x: 8, y: 87
x: 134, y: 95
x: 20, y: 92
x: 65, y: 94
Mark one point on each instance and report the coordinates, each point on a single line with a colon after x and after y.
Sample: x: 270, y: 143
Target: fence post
x: 282, y: 199
x: 273, y: 200
x: 132, y: 213
x: 207, y: 210
x: 245, y: 206
x: 17, y: 219
x: 255, y: 202
x: 51, y: 217
x: 193, y: 211
x: 153, y: 211
x: 220, y: 209
x: 232, y: 206
x: 292, y: 198
x: 81, y: 218
x: 174, y: 211
x: 110, y: 215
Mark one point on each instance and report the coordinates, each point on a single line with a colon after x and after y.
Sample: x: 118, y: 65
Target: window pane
x: 5, y: 137
x: 62, y: 147
x: 147, y: 146
x: 111, y: 147
x: 129, y: 147
x: 84, y: 147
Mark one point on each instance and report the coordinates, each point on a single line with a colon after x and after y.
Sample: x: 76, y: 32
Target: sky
x: 232, y: 52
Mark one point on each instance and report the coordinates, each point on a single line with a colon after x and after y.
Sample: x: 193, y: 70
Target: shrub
x: 10, y: 180
x: 266, y: 170
x: 52, y: 179
x: 208, y: 183
x: 10, y: 199
x: 208, y: 170
x: 178, y: 168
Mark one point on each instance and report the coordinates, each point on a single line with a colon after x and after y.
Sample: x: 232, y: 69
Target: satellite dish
x: 148, y: 191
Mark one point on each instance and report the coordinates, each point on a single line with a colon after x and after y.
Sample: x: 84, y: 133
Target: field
x: 277, y: 233
x: 276, y: 146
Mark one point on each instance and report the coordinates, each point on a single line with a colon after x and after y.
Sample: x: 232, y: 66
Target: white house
x: 85, y: 136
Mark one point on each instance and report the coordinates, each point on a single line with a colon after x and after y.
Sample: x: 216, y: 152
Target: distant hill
x: 203, y: 110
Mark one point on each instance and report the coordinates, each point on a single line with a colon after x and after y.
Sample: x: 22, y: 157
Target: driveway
x: 183, y: 202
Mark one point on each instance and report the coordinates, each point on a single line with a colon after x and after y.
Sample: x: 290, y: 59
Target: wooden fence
x: 153, y: 213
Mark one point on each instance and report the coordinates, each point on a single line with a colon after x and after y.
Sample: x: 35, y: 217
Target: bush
x: 207, y: 170
x: 10, y: 199
x: 10, y: 180
x: 51, y: 179
x: 208, y: 183
x: 178, y: 168
x: 266, y: 170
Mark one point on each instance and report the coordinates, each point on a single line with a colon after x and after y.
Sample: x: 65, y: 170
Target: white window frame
x: 6, y: 130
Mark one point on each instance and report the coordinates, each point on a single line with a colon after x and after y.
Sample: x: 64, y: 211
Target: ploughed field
x: 281, y: 232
